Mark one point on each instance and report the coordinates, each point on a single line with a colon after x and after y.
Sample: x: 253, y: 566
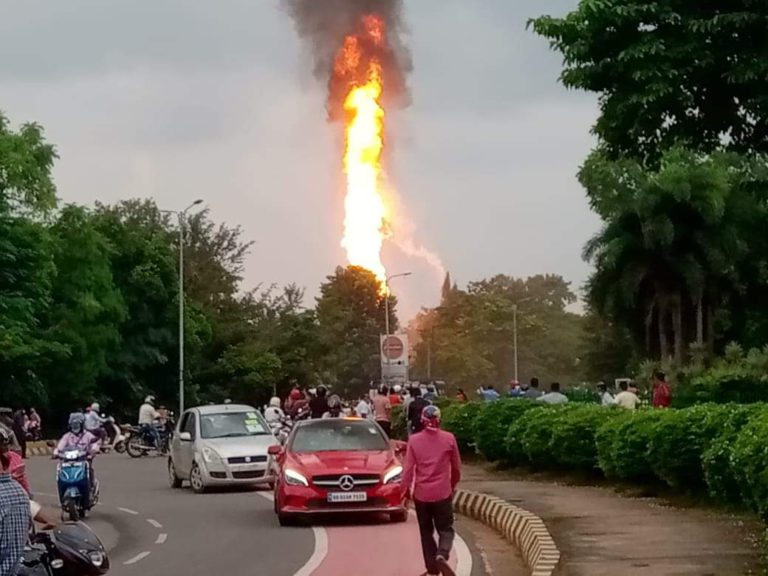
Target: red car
x: 337, y: 465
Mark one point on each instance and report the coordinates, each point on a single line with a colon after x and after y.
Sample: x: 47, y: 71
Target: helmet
x: 76, y: 422
x: 295, y: 394
x: 274, y: 402
x: 334, y: 401
x: 95, y: 407
x: 149, y: 400
x: 397, y: 388
x: 312, y: 391
x: 430, y: 417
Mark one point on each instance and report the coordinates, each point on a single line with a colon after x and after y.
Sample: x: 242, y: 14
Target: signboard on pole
x: 394, y: 358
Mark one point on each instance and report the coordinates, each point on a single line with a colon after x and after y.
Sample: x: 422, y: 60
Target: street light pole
x: 181, y: 216
x: 386, y: 318
x: 514, y: 337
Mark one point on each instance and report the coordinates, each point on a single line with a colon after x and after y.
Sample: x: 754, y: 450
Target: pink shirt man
x: 432, y: 465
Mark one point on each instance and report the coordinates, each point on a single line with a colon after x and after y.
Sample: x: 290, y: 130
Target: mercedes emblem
x: 346, y: 482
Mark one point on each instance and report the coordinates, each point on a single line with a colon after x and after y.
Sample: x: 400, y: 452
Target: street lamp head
x: 196, y: 202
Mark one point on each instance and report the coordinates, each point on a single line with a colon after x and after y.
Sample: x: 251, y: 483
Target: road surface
x: 150, y: 528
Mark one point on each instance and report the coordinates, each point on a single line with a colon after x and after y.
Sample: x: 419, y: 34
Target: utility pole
x: 386, y: 317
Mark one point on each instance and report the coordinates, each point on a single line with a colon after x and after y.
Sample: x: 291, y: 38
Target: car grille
x: 219, y: 475
x: 323, y: 504
x: 241, y: 459
x: 248, y: 474
x: 332, y: 480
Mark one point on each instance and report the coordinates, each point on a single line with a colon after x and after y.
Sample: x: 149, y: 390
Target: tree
x: 668, y: 72
x: 350, y: 315
x: 27, y: 194
x: 86, y: 312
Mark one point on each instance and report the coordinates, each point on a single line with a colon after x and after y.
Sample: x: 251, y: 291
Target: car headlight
x: 96, y: 558
x: 393, y: 475
x: 293, y: 478
x: 211, y: 456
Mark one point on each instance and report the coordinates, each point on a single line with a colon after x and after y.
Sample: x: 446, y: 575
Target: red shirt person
x: 662, y: 393
x: 432, y: 472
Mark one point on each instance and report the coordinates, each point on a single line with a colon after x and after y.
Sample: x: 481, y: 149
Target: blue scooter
x: 78, y: 491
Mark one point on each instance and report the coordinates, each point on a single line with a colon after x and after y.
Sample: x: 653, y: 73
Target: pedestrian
x: 363, y: 409
x: 606, y: 398
x: 318, y: 405
x: 515, y: 390
x: 430, y: 476
x: 553, y: 396
x: 394, y: 395
x: 461, y: 395
x: 532, y: 391
x: 489, y: 393
x: 382, y: 410
x: 431, y: 393
x: 626, y: 399
x: 415, y: 408
x: 19, y: 428
x: 14, y: 513
x: 662, y: 393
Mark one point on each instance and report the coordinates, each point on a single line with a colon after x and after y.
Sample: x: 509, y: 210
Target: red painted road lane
x: 374, y: 549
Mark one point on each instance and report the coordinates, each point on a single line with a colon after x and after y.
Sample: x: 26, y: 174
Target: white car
x: 222, y: 445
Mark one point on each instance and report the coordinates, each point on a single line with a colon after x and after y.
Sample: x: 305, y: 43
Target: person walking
x: 626, y: 399
x: 606, y: 398
x: 14, y: 513
x: 554, y: 396
x: 415, y: 408
x: 662, y: 393
x: 382, y: 410
x: 431, y: 473
x: 533, y: 392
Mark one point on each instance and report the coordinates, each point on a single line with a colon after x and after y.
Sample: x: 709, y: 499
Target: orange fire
x: 364, y: 204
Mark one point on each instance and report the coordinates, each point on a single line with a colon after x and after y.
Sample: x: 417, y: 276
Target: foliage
x: 399, y: 423
x: 573, y: 442
x: 468, y: 340
x: 749, y: 461
x: 492, y: 422
x: 537, y: 436
x: 717, y: 461
x: 459, y: 418
x: 627, y: 438
x: 517, y: 432
x: 667, y: 71
x: 350, y: 315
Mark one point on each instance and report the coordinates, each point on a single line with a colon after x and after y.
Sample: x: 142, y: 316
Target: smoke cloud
x: 325, y: 24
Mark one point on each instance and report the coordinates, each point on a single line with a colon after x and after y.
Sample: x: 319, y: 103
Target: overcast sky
x: 178, y: 100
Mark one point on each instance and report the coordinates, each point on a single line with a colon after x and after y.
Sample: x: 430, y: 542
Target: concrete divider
x: 526, y: 531
x: 39, y: 449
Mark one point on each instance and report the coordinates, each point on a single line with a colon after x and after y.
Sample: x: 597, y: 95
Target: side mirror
x: 185, y: 437
x: 275, y: 450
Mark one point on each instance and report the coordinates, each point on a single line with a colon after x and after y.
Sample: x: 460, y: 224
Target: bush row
x: 720, y: 449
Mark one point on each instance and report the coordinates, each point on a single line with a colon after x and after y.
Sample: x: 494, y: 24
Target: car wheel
x: 173, y: 479
x: 399, y: 516
x: 196, y: 479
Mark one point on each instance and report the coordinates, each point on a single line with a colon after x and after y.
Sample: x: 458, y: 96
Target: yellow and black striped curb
x: 39, y: 449
x: 526, y: 531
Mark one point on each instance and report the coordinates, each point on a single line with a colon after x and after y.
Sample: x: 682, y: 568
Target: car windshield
x: 232, y: 425
x: 338, y: 435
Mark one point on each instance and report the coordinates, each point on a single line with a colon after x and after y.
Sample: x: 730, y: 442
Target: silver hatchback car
x: 222, y: 445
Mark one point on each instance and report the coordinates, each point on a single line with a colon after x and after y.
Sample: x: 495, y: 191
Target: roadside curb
x: 526, y: 531
x: 39, y: 449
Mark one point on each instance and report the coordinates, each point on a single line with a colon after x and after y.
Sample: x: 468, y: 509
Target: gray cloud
x: 176, y: 100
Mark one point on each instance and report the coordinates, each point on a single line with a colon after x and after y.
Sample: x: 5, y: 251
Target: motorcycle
x: 282, y: 428
x: 140, y: 441
x: 70, y: 550
x: 118, y: 438
x: 78, y: 489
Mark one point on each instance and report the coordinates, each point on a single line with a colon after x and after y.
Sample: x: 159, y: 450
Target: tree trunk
x: 710, y: 331
x: 663, y: 342
x: 648, y: 326
x: 700, y: 321
x: 677, y: 319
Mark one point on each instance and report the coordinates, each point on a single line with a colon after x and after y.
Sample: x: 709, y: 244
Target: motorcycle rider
x: 148, y: 417
x: 94, y: 423
x: 274, y: 414
x: 334, y: 407
x: 81, y: 439
x: 319, y: 404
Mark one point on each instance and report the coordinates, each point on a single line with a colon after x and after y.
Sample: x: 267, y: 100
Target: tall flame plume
x: 365, y: 202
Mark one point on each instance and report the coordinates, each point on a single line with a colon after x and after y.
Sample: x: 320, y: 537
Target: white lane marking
x: 154, y: 523
x: 161, y: 538
x: 321, y: 545
x: 129, y: 511
x: 463, y: 555
x: 137, y: 558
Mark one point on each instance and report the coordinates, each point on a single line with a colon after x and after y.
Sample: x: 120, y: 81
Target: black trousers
x: 386, y: 426
x: 435, y: 517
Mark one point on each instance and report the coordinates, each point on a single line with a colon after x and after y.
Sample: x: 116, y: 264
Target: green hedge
x: 492, y: 423
x: 749, y: 461
x: 460, y: 419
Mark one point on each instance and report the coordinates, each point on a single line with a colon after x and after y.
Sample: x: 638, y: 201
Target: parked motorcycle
x: 70, y: 550
x: 78, y: 488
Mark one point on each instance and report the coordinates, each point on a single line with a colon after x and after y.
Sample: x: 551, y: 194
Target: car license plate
x: 347, y: 497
